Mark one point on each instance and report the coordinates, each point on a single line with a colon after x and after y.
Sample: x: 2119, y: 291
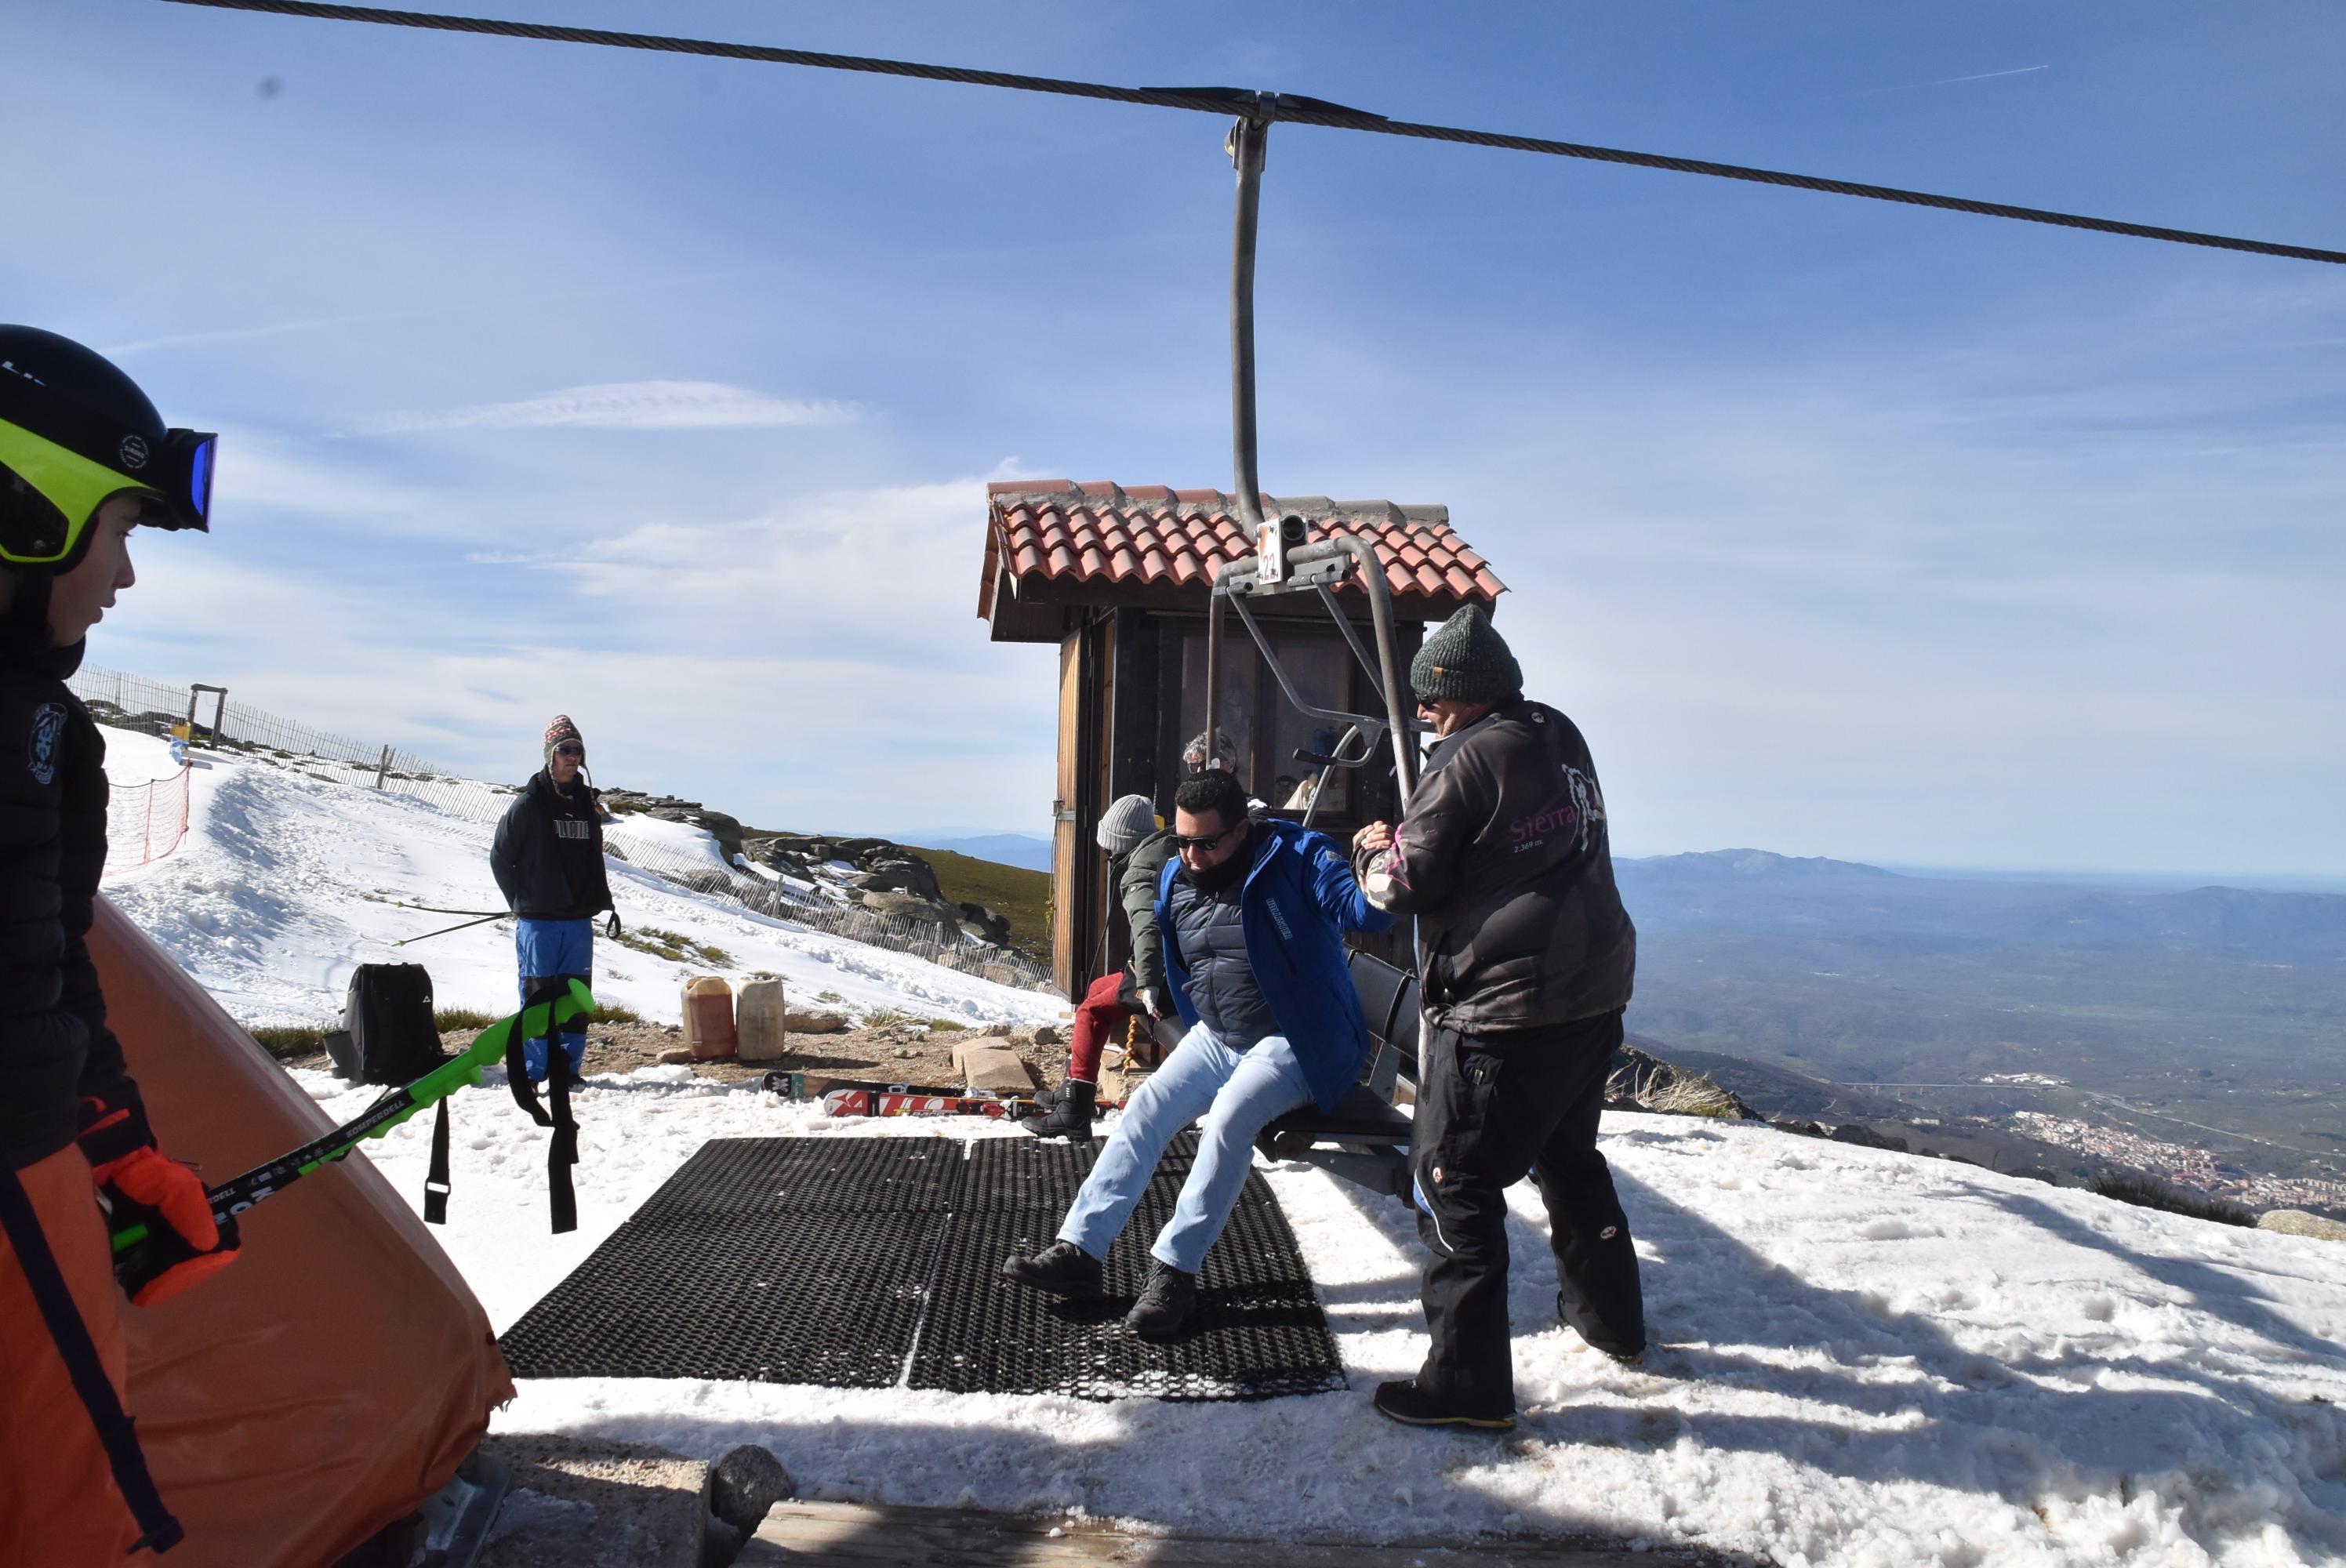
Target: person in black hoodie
x: 1526, y: 958
x: 547, y: 858
x: 83, y: 459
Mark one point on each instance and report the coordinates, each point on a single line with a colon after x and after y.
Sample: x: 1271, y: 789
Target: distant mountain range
x: 1027, y: 851
x: 1759, y: 893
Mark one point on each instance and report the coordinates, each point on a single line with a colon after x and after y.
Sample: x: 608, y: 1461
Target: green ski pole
x: 237, y: 1194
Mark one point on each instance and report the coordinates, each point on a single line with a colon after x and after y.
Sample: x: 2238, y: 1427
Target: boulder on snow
x: 1866, y: 1138
x: 907, y: 907
x: 899, y: 875
x: 813, y: 1022
x: 2297, y: 1222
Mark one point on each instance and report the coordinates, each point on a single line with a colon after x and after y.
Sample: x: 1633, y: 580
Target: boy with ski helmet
x: 83, y: 459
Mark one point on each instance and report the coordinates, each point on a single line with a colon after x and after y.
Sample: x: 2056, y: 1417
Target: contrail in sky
x: 1951, y: 81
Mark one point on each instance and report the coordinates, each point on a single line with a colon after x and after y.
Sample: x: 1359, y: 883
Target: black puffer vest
x: 1213, y: 949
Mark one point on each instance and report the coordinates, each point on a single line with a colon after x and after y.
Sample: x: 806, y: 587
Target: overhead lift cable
x: 1262, y: 108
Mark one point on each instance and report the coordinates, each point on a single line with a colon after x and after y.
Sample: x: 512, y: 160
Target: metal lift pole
x: 1248, y: 141
x: 1277, y: 555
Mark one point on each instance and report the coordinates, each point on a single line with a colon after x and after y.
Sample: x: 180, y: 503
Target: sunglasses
x: 1205, y: 844
x: 570, y: 749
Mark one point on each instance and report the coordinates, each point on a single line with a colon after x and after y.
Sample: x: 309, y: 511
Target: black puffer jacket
x: 54, y: 1046
x: 547, y: 856
x: 1502, y: 856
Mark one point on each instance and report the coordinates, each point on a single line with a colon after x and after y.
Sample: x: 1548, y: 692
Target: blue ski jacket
x: 1298, y: 900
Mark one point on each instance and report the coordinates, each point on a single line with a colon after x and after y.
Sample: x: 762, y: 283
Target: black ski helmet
x: 75, y: 432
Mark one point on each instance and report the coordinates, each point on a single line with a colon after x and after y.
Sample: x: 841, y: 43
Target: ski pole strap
x: 562, y: 1149
x: 535, y: 990
x: 562, y: 1153
x: 435, y: 1180
x: 158, y: 1530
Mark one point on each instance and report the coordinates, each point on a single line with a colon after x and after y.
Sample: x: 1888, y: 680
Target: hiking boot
x: 1062, y: 1268
x: 1165, y: 1304
x: 1411, y: 1406
x: 1067, y: 1111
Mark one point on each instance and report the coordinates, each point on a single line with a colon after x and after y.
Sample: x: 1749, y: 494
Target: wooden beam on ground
x: 851, y: 1535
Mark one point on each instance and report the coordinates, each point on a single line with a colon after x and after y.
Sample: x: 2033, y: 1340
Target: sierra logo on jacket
x: 48, y: 729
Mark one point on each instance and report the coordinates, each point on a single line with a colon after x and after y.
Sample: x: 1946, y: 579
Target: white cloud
x: 627, y: 405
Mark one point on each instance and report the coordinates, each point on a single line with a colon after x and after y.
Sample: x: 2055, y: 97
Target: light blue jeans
x: 1236, y: 1092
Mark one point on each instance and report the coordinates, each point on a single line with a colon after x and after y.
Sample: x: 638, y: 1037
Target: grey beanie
x: 1126, y: 822
x: 1467, y: 659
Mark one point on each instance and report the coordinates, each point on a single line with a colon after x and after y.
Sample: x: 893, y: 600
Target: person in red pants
x: 83, y: 459
x: 1137, y: 849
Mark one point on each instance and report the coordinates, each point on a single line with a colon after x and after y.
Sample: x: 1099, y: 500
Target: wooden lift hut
x: 1120, y: 580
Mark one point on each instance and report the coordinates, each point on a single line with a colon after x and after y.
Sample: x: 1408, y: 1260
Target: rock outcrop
x: 725, y: 829
x: 883, y: 877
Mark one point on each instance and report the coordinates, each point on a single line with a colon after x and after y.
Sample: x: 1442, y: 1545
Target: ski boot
x: 1067, y: 1111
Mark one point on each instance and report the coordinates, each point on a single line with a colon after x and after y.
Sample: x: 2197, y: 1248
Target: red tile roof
x: 1147, y: 535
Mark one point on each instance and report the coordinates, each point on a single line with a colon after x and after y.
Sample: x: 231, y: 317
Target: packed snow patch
x: 288, y: 881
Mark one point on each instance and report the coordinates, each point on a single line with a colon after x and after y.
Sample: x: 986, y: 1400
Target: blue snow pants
x: 548, y: 948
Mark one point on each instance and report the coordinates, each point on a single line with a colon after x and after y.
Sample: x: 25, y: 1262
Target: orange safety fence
x: 146, y: 822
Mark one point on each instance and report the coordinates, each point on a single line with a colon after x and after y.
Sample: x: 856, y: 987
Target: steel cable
x: 1264, y: 107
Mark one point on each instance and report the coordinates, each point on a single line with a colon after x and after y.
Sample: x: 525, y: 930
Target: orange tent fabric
x: 335, y: 1376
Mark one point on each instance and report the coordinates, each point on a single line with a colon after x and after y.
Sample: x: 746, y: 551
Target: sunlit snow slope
x: 286, y: 883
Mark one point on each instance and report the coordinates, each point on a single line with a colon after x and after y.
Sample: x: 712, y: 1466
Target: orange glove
x: 183, y: 1245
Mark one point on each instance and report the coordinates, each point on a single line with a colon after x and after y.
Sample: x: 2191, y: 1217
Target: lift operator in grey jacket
x: 1526, y: 958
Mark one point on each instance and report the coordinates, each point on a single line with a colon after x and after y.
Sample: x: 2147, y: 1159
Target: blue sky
x: 662, y: 390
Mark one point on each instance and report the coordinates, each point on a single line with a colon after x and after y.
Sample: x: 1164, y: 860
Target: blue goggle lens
x: 199, y: 477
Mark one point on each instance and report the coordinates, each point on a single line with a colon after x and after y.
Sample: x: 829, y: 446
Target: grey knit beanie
x: 1465, y: 658
x: 1126, y: 822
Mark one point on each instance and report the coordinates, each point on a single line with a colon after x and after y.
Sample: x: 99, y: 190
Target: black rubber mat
x: 868, y: 1262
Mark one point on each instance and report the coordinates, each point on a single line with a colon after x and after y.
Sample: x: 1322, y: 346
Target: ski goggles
x: 50, y: 489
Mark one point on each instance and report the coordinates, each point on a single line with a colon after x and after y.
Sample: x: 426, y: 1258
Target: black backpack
x: 387, y: 1034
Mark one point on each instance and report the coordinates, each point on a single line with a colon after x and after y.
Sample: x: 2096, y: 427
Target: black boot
x: 1068, y: 1112
x: 1062, y: 1268
x: 1165, y: 1304
x: 1585, y: 1325
x: 1411, y: 1406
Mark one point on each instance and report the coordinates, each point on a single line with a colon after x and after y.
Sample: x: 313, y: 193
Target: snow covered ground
x: 287, y: 881
x: 1865, y: 1358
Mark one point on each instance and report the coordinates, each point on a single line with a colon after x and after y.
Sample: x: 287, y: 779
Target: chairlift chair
x: 1366, y: 1139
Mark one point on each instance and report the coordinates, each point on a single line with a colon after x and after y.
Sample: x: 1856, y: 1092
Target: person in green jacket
x: 1137, y: 849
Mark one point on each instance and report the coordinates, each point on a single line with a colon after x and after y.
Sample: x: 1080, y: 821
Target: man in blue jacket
x: 1252, y: 914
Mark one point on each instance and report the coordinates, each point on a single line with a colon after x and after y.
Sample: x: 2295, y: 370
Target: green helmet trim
x: 73, y: 486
